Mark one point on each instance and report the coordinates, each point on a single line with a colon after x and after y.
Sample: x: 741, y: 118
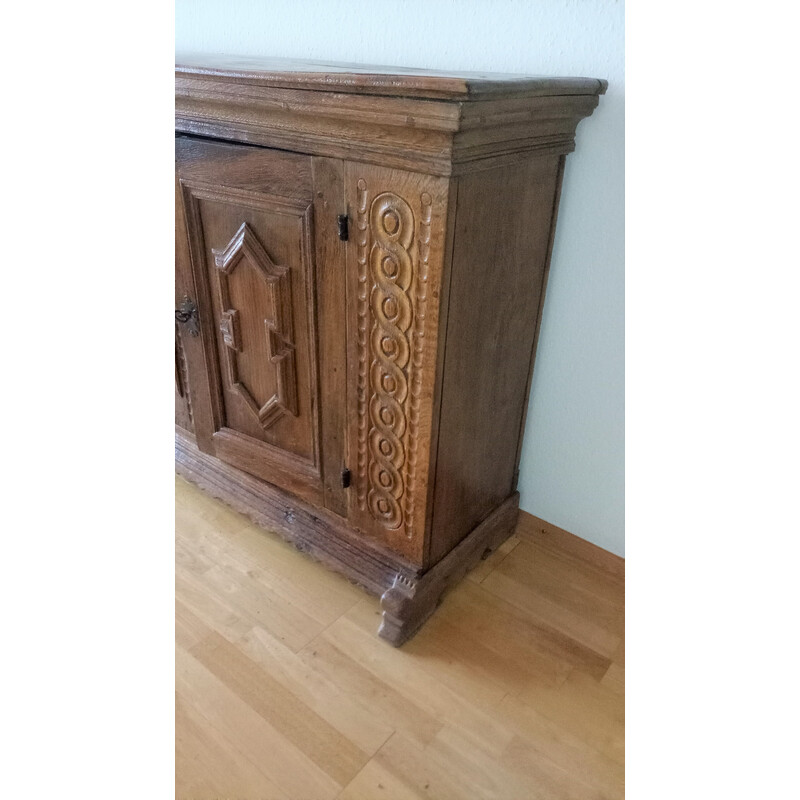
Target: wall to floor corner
x: 572, y: 467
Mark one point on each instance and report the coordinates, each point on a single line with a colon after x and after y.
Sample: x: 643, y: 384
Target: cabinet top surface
x: 378, y: 80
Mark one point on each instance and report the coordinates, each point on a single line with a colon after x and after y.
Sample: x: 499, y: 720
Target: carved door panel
x: 183, y: 405
x: 249, y: 214
x: 394, y: 264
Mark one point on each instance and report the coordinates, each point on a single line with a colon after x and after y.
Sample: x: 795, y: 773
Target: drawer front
x: 249, y: 216
x: 395, y: 259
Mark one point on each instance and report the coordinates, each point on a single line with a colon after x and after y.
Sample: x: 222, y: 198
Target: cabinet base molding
x: 407, y: 604
x: 408, y: 596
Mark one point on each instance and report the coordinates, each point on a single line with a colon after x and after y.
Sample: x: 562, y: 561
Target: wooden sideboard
x: 361, y: 259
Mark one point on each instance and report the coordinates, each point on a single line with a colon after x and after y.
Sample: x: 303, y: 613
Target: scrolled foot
x: 406, y: 605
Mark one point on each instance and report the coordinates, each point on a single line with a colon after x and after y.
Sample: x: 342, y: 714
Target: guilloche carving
x: 391, y: 270
x: 390, y: 338
x: 386, y: 276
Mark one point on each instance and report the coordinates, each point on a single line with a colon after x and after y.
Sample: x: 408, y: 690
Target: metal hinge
x: 345, y: 478
x: 344, y: 233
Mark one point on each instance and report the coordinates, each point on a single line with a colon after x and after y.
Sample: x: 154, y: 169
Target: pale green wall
x: 572, y: 470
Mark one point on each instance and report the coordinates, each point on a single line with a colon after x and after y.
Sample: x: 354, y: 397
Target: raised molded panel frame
x: 270, y: 462
x: 245, y: 247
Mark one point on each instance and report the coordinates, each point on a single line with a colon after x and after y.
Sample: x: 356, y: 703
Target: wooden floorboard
x: 513, y: 689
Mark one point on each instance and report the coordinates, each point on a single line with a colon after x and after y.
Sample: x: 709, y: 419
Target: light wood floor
x: 513, y: 689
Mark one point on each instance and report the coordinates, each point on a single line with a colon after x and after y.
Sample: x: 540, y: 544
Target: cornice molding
x: 440, y: 131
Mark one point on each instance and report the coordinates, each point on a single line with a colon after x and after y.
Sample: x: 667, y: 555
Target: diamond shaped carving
x: 245, y: 252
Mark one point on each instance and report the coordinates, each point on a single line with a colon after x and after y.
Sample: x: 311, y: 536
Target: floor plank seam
x: 542, y: 622
x: 371, y: 759
x: 317, y: 635
x: 498, y: 564
x: 232, y: 747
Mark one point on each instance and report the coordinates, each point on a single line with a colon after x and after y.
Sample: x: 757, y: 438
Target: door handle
x: 187, y: 315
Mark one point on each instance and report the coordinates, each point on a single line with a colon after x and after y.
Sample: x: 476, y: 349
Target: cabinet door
x: 249, y: 216
x: 183, y: 405
x: 395, y: 262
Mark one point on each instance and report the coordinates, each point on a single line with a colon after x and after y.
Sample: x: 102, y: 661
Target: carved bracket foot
x: 408, y: 603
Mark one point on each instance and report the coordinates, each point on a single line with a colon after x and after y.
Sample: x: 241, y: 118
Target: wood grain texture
x: 250, y: 231
x: 274, y: 344
x: 312, y: 529
x: 539, y: 314
x: 546, y: 535
x: 502, y: 233
x: 432, y: 123
x: 377, y: 80
x: 331, y: 258
x: 514, y: 688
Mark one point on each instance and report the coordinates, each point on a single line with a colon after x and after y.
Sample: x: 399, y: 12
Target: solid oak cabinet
x: 361, y: 257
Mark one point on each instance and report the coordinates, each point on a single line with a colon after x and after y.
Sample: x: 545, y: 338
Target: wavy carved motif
x: 420, y: 302
x: 245, y: 247
x: 181, y: 374
x: 362, y: 227
x: 389, y: 391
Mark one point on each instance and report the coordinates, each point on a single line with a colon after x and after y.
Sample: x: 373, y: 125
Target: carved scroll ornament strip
x: 420, y: 302
x: 362, y: 227
x: 245, y: 246
x: 182, y: 373
x: 391, y: 269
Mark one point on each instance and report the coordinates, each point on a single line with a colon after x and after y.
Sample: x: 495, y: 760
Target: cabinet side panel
x: 502, y: 232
